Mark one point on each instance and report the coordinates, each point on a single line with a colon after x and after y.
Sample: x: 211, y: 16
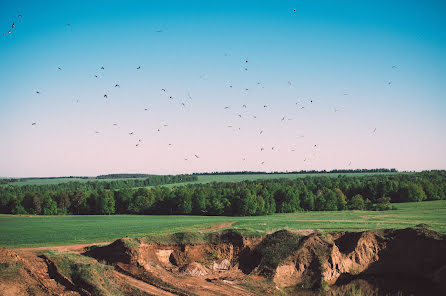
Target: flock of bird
x: 300, y: 104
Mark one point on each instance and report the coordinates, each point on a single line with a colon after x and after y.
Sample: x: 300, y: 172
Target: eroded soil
x: 386, y: 262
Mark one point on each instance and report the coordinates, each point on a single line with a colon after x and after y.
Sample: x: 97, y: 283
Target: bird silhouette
x: 117, y: 85
x: 139, y: 67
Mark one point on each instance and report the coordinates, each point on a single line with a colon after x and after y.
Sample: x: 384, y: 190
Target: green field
x: 21, y: 231
x: 201, y: 178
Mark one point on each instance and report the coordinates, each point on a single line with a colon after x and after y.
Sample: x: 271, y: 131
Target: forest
x: 247, y: 198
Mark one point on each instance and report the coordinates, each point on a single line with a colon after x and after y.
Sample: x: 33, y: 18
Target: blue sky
x: 333, y: 58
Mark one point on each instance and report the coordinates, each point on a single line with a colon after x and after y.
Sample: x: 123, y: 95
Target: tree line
x: 247, y: 198
x: 304, y: 172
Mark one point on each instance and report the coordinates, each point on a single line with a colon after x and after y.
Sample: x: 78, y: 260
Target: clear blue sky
x: 333, y: 58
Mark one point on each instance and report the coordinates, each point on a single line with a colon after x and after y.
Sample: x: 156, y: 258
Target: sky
x: 346, y: 85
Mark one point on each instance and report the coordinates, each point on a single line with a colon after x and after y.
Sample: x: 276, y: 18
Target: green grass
x: 23, y: 231
x: 201, y: 178
x: 60, y: 180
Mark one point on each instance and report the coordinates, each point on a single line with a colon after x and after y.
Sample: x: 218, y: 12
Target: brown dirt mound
x: 27, y: 274
x: 226, y: 263
x: 193, y: 269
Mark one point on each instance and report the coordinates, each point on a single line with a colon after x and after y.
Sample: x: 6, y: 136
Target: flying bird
x: 244, y: 106
x: 102, y: 68
x: 105, y: 96
x: 37, y: 92
x: 13, y: 25
x: 131, y: 133
x: 34, y: 123
x: 196, y: 156
x: 117, y: 85
x: 159, y: 31
x: 226, y: 107
x: 139, y: 67
x: 163, y: 89
x: 60, y: 68
x: 374, y: 130
x: 19, y: 15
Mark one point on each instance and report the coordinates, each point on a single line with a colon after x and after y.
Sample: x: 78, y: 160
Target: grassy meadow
x: 28, y: 231
x: 201, y: 178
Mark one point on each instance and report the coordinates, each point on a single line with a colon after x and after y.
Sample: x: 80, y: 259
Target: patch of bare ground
x: 76, y: 248
x: 217, y: 226
x: 227, y: 263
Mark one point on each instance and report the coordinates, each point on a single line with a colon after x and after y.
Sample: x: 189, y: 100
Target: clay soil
x: 393, y: 262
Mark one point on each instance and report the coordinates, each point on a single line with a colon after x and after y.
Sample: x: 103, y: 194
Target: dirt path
x: 78, y: 248
x: 143, y: 286
x: 217, y: 226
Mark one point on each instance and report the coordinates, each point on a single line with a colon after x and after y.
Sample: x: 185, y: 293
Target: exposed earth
x: 409, y: 261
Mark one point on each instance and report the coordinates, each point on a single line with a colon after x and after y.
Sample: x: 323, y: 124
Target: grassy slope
x: 201, y: 179
x: 21, y: 231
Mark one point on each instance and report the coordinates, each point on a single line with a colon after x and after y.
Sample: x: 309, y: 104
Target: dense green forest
x: 261, y: 197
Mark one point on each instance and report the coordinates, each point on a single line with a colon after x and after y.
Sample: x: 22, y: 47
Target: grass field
x: 21, y: 231
x: 201, y: 178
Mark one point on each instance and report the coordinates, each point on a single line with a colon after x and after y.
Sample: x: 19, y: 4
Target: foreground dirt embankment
x: 404, y: 262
